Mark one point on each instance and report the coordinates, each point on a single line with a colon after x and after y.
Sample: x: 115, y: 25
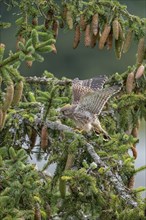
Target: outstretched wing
x: 82, y: 87
x: 95, y: 101
x: 78, y: 92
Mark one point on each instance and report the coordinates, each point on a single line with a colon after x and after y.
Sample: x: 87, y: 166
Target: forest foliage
x: 94, y: 178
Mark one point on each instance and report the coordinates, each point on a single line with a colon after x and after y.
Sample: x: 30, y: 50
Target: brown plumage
x: 88, y: 101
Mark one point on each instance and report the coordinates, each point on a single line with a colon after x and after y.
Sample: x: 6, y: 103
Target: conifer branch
x: 10, y: 59
x: 116, y: 180
x: 122, y: 9
x: 44, y: 80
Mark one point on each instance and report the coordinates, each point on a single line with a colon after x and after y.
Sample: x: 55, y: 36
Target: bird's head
x: 67, y: 110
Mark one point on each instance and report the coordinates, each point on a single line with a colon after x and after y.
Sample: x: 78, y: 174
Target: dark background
x: 83, y: 63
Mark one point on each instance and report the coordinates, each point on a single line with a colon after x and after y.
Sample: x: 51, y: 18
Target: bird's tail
x: 99, y: 130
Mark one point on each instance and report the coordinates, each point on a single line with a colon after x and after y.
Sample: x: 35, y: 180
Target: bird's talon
x: 79, y: 131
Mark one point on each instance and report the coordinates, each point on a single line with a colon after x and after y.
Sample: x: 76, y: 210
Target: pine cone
x: 8, y: 97
x: 121, y: 33
x: 131, y: 182
x: 115, y: 26
x: 29, y: 63
x: 130, y: 82
x: 118, y: 48
x: 1, y: 117
x: 70, y: 161
x: 35, y: 21
x: 140, y: 72
x: 104, y: 36
x: 44, y: 138
x: 55, y: 28
x: 82, y: 22
x: 128, y: 41
x: 94, y: 24
x: 54, y: 50
x: 19, y: 39
x: 17, y: 93
x: 93, y: 40
x: 87, y: 40
x: 49, y: 18
x: 33, y: 138
x: 140, y: 51
x: 134, y: 151
x: 69, y: 19
x: 135, y: 132
x: 77, y: 36
x: 37, y: 214
x: 109, y: 41
x: 64, y: 12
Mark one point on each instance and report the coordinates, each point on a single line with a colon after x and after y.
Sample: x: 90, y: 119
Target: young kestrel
x: 89, y: 98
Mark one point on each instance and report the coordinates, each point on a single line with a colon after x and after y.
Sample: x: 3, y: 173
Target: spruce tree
x: 93, y: 178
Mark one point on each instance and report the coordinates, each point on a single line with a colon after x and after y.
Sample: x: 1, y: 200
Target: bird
x: 88, y: 99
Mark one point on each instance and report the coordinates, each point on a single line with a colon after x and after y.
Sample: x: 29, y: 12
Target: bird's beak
x: 60, y: 116
x: 59, y: 110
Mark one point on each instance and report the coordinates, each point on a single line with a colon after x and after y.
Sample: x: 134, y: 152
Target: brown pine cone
x: 77, y: 36
x: 131, y: 182
x: 94, y: 24
x: 115, y: 26
x: 82, y: 22
x: 87, y: 39
x: 130, y: 82
x: 93, y: 40
x: 104, y: 36
x: 44, y: 138
x: 109, y: 41
x: 140, y: 72
x: 55, y: 28
x: 140, y: 51
x: 128, y: 41
x: 69, y: 19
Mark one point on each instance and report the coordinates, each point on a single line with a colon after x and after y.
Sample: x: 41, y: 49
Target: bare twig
x: 44, y: 80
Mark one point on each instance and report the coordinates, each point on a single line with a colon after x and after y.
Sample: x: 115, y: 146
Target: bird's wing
x: 95, y: 83
x: 82, y: 87
x: 78, y: 92
x: 95, y: 101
